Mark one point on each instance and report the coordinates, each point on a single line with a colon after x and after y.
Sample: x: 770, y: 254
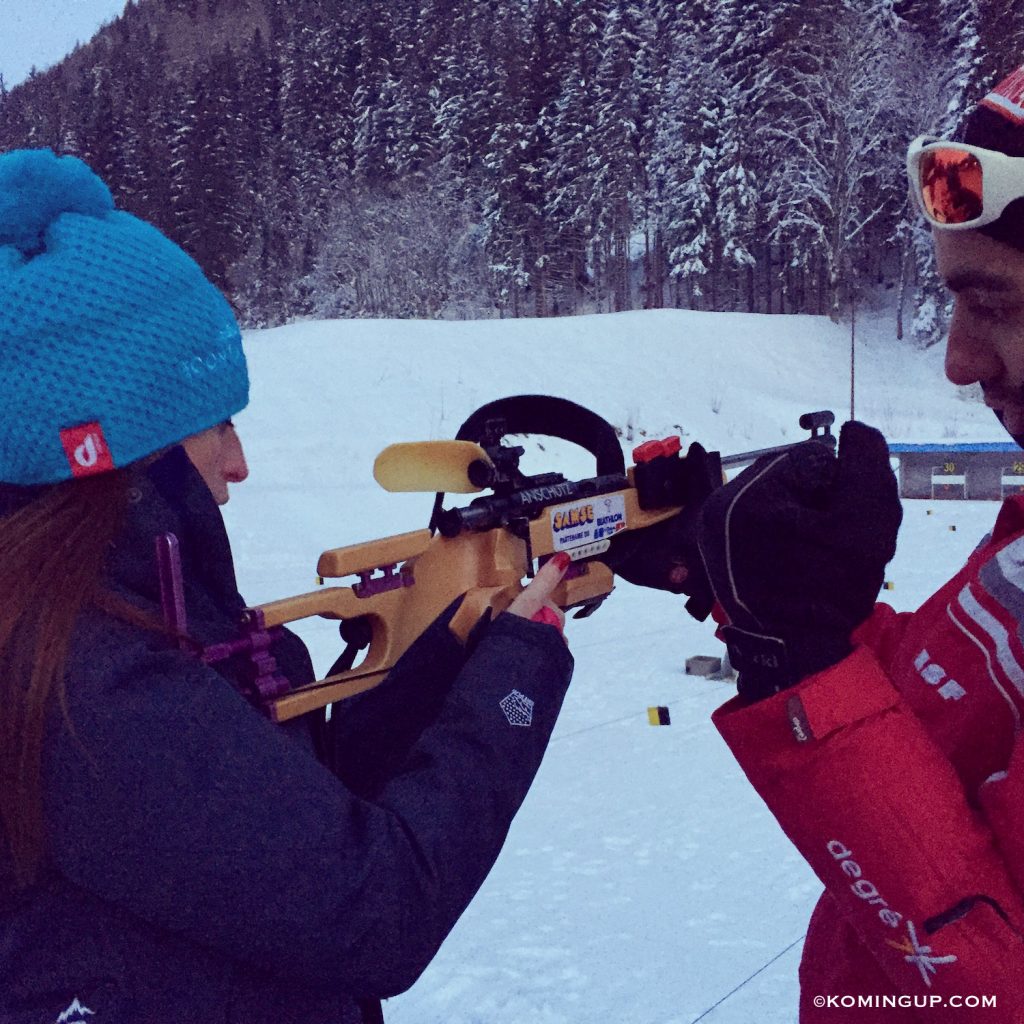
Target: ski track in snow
x: 643, y: 881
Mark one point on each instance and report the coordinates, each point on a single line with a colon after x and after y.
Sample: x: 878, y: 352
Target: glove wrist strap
x: 762, y: 662
x: 768, y: 664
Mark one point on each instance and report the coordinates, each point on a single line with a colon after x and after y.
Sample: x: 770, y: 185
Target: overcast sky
x: 40, y: 32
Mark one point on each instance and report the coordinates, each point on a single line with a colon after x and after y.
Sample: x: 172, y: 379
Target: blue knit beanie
x: 113, y: 344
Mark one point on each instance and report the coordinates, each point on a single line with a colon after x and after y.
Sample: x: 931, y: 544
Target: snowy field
x: 643, y: 882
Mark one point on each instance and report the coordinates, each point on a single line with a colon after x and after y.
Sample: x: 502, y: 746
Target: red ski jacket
x: 899, y: 775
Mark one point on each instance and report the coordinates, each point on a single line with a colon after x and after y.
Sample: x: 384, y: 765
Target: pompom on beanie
x: 113, y: 343
x: 997, y: 123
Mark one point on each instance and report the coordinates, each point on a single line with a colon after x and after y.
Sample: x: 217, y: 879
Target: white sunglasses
x: 959, y: 187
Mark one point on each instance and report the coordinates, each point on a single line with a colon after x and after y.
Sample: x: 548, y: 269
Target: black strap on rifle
x: 357, y: 634
x: 547, y: 415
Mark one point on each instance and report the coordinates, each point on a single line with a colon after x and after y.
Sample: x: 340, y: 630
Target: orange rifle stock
x: 482, y: 553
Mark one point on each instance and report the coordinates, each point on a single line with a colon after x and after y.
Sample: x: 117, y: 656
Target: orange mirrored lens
x: 951, y: 185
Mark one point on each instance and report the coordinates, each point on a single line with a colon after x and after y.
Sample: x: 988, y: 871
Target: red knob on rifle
x: 654, y: 449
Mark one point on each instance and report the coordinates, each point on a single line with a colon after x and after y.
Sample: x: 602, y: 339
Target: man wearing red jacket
x: 889, y: 746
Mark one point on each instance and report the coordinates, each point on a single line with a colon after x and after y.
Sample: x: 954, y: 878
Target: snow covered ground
x: 643, y: 882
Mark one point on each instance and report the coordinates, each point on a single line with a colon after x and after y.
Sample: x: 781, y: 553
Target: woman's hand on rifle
x: 534, y: 602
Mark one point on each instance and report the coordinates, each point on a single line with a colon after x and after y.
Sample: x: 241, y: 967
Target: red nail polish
x: 562, y: 560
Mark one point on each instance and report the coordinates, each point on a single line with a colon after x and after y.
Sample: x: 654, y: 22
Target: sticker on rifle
x: 587, y: 522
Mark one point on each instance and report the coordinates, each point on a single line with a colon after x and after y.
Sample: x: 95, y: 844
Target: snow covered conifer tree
x: 374, y: 102
x: 684, y: 157
x: 513, y: 192
x: 622, y: 139
x: 958, y: 51
x: 570, y: 193
x: 204, y: 182
x: 826, y: 186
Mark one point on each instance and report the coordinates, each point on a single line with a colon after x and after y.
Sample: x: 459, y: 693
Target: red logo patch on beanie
x: 86, y: 449
x: 1007, y: 98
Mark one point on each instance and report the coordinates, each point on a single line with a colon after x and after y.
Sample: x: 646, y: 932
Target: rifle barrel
x: 740, y: 457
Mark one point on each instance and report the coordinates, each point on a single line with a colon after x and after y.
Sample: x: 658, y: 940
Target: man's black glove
x: 795, y: 548
x: 665, y: 556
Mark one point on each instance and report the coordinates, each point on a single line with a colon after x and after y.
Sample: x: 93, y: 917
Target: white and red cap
x: 997, y: 123
x: 1007, y: 98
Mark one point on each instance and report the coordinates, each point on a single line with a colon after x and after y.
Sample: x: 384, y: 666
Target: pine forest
x: 485, y: 158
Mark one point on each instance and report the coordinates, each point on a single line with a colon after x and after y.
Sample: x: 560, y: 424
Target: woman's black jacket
x: 205, y: 865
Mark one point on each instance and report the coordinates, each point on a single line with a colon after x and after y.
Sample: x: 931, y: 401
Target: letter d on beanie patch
x: 86, y: 449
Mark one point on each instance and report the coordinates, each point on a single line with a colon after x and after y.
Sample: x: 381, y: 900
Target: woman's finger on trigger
x: 539, y: 590
x: 550, y: 574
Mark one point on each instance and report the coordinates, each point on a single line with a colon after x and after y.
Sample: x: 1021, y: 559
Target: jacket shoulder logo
x: 75, y: 1014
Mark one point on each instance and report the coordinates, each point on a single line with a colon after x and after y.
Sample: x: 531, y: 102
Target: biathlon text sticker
x: 587, y: 521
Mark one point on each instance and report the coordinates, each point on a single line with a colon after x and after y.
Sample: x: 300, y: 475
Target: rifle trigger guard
x: 587, y: 608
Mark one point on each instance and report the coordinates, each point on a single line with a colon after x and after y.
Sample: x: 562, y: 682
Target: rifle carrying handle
x: 553, y: 417
x: 547, y: 415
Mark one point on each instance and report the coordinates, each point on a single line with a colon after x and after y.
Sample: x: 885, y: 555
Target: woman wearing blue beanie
x: 166, y: 852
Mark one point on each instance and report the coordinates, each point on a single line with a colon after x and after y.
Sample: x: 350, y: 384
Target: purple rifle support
x: 263, y: 683
x: 393, y: 579
x: 172, y: 589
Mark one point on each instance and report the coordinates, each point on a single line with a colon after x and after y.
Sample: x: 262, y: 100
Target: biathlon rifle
x: 480, y: 552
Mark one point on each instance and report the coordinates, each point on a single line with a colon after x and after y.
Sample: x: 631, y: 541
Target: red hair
x: 53, y: 549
